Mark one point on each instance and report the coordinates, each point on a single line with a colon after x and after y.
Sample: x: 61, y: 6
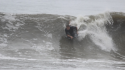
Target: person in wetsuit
x: 71, y: 31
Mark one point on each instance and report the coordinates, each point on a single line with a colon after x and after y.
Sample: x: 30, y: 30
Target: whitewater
x: 32, y: 35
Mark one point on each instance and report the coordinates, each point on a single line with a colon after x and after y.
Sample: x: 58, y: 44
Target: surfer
x: 71, y: 31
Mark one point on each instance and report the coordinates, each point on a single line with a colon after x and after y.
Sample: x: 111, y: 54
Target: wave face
x: 42, y: 36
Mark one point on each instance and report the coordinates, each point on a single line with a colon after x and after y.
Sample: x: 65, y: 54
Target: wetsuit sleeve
x: 66, y: 32
x: 74, y: 27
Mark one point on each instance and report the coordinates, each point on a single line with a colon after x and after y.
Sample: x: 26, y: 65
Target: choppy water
x: 38, y: 41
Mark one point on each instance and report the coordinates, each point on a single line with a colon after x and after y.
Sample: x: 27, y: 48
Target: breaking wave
x: 38, y: 35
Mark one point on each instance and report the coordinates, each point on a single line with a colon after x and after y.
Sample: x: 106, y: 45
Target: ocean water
x: 32, y: 35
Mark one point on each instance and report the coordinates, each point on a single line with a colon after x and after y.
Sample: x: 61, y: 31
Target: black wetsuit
x: 71, y: 31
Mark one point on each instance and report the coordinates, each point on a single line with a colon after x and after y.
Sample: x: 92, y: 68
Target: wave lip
x: 95, y: 28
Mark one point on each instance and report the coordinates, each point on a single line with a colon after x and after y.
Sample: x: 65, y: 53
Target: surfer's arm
x: 76, y: 29
x: 68, y: 34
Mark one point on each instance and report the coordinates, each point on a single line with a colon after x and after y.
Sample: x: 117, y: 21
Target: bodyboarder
x: 71, y: 31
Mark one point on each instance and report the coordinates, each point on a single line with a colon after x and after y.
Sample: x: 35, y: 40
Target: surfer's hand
x: 71, y: 37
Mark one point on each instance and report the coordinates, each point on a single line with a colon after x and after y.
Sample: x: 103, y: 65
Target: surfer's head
x: 67, y: 27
